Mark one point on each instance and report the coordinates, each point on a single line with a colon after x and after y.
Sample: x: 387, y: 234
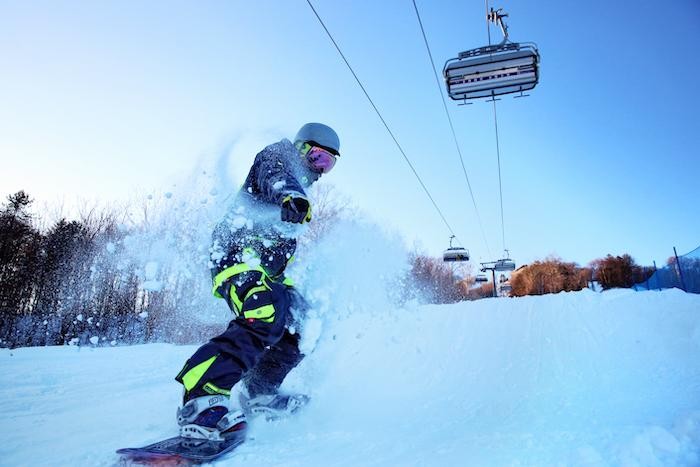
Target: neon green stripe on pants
x: 192, y: 377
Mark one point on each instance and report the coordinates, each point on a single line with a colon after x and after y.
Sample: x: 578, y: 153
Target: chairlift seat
x: 492, y: 71
x: 504, y: 265
x: 481, y: 278
x: 456, y: 254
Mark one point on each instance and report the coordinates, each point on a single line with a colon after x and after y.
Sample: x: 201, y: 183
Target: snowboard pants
x: 257, y: 344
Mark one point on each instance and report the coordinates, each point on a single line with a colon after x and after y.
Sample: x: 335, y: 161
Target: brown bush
x: 619, y: 271
x: 485, y: 290
x: 549, y: 276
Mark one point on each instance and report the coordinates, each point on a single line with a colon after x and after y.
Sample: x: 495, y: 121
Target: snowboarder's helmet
x: 318, y: 134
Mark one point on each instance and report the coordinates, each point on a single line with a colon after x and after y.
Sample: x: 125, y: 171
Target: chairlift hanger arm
x: 496, y: 17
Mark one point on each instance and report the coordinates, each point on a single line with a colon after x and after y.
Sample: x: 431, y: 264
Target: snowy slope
x: 569, y: 379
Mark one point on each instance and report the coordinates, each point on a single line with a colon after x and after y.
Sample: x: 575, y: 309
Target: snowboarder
x: 252, y: 246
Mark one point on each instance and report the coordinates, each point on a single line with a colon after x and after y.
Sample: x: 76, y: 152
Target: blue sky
x: 102, y: 99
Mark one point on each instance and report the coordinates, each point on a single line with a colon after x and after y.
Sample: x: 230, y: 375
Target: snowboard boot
x: 210, y: 417
x: 274, y: 406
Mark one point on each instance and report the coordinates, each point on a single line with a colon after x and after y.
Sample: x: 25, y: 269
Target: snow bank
x: 569, y: 379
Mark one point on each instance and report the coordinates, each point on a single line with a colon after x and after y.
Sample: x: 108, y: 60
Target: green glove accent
x: 296, y: 209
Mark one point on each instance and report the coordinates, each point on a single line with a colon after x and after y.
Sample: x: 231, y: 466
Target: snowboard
x: 182, y: 451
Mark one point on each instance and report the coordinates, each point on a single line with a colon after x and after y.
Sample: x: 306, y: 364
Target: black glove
x: 296, y: 208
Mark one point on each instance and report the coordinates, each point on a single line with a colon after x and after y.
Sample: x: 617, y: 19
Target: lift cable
x: 452, y: 128
x: 500, y: 186
x: 498, y: 147
x: 403, y: 153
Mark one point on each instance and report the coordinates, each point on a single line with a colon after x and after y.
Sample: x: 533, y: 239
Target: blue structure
x: 683, y: 273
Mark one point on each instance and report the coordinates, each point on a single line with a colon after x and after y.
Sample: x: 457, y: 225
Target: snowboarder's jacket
x: 252, y: 225
x: 251, y: 248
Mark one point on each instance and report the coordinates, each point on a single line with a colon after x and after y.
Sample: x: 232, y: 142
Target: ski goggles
x: 319, y: 159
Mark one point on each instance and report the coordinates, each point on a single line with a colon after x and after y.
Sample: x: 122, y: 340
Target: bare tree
x: 329, y: 206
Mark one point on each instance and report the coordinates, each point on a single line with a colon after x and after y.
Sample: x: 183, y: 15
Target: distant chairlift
x: 454, y: 253
x: 493, y: 70
x: 481, y: 278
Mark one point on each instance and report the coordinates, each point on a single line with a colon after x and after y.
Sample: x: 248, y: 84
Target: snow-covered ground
x: 570, y: 379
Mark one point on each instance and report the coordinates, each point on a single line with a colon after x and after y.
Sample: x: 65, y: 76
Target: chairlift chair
x: 481, y: 278
x: 494, y: 70
x: 505, y: 264
x: 453, y: 253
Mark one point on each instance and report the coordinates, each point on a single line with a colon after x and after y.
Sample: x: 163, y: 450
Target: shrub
x: 549, y: 276
x: 619, y: 271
